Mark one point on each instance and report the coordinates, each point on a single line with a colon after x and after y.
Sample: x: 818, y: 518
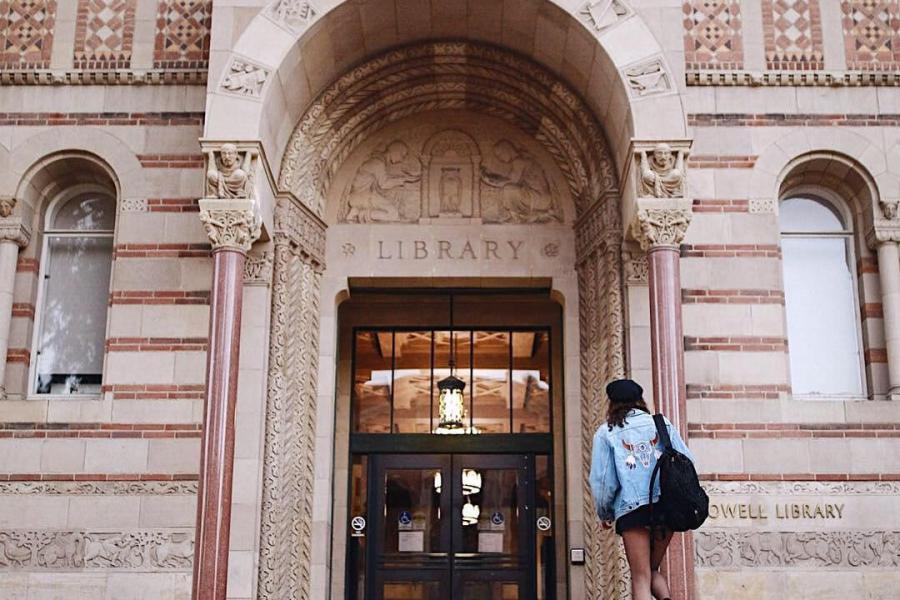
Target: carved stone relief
x: 7, y: 205
x: 661, y: 226
x: 243, y: 78
x: 425, y: 172
x: 662, y: 172
x: 99, y: 488
x: 229, y: 175
x: 295, y: 14
x: 648, y: 78
x: 146, y: 550
x: 230, y: 224
x: 813, y: 549
x: 134, y: 205
x: 812, y: 488
x: 258, y: 269
x: 600, y: 15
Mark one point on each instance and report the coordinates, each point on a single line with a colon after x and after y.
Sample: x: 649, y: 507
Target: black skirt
x: 639, y: 517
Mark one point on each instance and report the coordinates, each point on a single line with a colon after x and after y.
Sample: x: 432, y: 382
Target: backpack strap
x: 662, y: 431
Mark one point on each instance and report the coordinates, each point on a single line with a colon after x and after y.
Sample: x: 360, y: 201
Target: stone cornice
x: 792, y: 78
x: 130, y: 77
x: 230, y: 224
x: 13, y: 229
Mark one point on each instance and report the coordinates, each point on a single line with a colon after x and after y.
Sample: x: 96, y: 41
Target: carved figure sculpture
x: 372, y: 193
x: 227, y: 178
x: 7, y: 204
x: 662, y: 174
x: 525, y: 192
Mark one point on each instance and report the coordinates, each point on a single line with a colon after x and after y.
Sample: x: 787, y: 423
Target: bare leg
x: 637, y: 551
x: 658, y: 582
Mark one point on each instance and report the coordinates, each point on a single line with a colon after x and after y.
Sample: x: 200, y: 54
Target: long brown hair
x: 615, y: 417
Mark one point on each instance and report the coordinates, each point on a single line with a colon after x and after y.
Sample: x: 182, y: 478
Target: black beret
x: 624, y: 390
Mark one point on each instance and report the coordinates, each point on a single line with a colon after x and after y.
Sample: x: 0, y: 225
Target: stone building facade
x: 219, y: 203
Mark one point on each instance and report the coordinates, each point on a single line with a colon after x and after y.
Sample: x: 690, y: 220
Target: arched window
x: 72, y: 303
x: 820, y: 298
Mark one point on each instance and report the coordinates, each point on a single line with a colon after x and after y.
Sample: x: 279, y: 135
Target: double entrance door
x: 453, y: 526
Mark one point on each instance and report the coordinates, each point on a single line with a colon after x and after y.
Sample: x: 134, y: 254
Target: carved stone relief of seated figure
x: 525, y: 193
x: 662, y: 173
x: 373, y: 193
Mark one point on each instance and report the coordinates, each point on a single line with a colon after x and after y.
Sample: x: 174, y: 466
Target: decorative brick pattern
x: 150, y: 344
x: 22, y: 119
x: 104, y: 32
x: 871, y: 40
x: 162, y: 251
x: 792, y: 120
x: 26, y: 33
x: 735, y: 344
x: 713, y: 38
x: 730, y: 251
x: 792, y: 430
x: 159, y: 297
x: 721, y: 162
x: 697, y: 391
x: 793, y: 34
x: 171, y: 161
x: 182, y: 34
x: 732, y: 296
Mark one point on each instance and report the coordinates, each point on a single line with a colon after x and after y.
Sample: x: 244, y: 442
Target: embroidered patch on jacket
x: 642, y: 450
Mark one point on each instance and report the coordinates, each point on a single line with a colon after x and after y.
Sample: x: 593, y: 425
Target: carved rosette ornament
x: 230, y: 224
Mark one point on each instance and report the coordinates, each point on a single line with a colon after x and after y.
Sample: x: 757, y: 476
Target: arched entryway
x: 488, y: 86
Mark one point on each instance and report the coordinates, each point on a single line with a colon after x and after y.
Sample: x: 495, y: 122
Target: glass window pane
x: 809, y: 214
x: 490, y: 590
x: 73, y: 315
x: 490, y: 394
x: 462, y: 348
x: 531, y: 382
x: 490, y: 512
x: 821, y: 317
x: 412, y: 382
x: 412, y: 511
x: 86, y: 212
x: 372, y: 382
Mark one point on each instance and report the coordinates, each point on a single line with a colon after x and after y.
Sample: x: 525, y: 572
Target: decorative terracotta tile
x: 26, y: 33
x: 713, y: 37
x: 103, y: 34
x: 871, y: 39
x: 793, y: 34
x: 182, y: 34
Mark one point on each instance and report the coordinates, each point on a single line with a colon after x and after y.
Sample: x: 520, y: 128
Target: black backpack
x: 683, y: 503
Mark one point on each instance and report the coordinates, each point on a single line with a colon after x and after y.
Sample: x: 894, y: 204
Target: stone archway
x: 298, y: 62
x: 385, y: 90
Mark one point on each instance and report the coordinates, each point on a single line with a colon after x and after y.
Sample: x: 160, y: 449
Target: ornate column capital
x: 884, y: 230
x: 12, y: 229
x: 661, y: 223
x: 230, y: 224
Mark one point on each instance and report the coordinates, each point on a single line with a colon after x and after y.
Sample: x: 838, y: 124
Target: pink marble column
x: 660, y: 231
x: 232, y: 228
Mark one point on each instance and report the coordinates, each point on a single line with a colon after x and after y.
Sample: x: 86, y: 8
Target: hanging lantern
x: 470, y: 513
x: 471, y: 481
x: 451, y: 406
x: 438, y: 482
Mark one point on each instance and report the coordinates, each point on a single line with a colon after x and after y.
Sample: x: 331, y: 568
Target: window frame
x: 842, y: 208
x: 48, y: 231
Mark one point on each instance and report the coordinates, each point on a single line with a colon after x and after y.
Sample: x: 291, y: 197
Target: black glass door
x: 451, y: 526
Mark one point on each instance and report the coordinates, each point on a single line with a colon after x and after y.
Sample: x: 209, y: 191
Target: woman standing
x: 624, y: 454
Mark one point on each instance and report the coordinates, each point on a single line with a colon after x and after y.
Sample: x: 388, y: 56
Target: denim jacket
x: 623, y: 461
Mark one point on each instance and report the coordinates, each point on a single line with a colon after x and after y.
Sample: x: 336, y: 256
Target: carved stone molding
x: 111, y: 77
x: 290, y: 413
x: 804, y: 549
x: 439, y: 76
x: 144, y: 550
x: 602, y: 340
x: 601, y: 15
x: 661, y: 224
x: 296, y: 15
x: 98, y: 488
x: 800, y: 488
x: 792, y: 78
x: 304, y: 231
x: 13, y: 229
x: 230, y: 224
x: 258, y: 268
x: 648, y: 78
x: 884, y: 231
x: 244, y: 78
